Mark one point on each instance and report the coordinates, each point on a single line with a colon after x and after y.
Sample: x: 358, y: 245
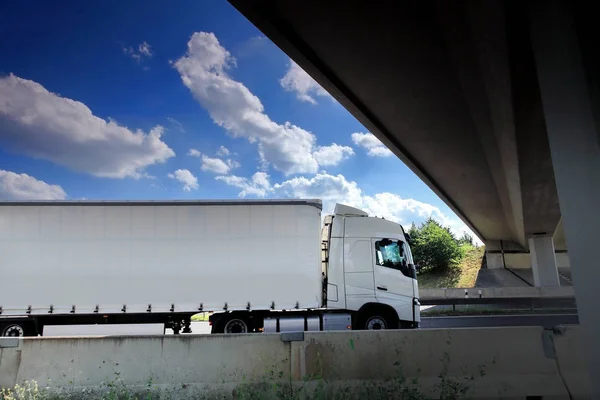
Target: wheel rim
x: 376, y: 323
x: 13, y: 331
x: 236, y: 326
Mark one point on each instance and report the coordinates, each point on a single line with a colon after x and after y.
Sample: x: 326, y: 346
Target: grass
x: 273, y: 386
x: 462, y: 275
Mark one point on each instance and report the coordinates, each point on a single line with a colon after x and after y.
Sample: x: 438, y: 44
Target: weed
x: 273, y: 385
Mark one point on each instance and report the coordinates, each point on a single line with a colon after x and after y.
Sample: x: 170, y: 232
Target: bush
x: 434, y: 247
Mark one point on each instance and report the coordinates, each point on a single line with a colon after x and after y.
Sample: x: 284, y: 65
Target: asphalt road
x: 544, y: 320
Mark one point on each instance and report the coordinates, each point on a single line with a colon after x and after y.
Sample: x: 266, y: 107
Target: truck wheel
x: 236, y: 325
x: 376, y: 323
x: 377, y: 320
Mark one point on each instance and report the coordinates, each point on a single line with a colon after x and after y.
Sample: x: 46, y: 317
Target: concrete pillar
x: 543, y: 262
x: 493, y: 254
x: 575, y: 149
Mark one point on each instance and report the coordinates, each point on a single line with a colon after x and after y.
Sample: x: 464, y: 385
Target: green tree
x: 434, y: 246
x: 466, y: 239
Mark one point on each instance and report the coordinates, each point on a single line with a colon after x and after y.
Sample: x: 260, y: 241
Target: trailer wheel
x: 13, y: 329
x: 236, y: 325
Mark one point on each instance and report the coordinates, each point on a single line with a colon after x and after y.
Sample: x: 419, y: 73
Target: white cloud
x: 258, y: 185
x: 289, y: 148
x: 215, y: 165
x: 44, y: 125
x: 233, y: 164
x: 332, y: 155
x: 223, y: 151
x: 143, y: 50
x: 297, y: 80
x: 15, y: 186
x: 329, y: 188
x: 332, y: 189
x: 185, y: 177
x: 372, y: 144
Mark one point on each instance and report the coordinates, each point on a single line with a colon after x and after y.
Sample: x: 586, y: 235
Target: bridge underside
x: 449, y: 87
x: 452, y: 89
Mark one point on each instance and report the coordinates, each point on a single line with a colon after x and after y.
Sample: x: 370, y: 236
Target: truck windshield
x: 392, y: 255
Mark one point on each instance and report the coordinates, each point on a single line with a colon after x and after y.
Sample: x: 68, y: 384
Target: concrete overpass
x: 493, y: 104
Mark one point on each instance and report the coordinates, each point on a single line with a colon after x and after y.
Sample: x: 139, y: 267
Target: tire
x: 377, y: 320
x: 14, y: 329
x: 236, y: 325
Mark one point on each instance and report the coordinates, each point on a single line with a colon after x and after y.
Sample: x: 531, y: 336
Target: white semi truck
x: 256, y: 266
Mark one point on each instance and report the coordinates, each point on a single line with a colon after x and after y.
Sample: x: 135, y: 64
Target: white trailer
x: 256, y: 265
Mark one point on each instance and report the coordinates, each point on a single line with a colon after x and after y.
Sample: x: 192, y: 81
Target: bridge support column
x: 575, y: 149
x: 543, y: 261
x: 494, y: 258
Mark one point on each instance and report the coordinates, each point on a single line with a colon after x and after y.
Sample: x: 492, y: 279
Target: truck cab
x: 368, y: 269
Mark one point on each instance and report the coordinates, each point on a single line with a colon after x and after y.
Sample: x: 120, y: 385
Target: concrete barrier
x: 569, y: 349
x: 561, y: 291
x: 485, y: 362
x: 181, y: 365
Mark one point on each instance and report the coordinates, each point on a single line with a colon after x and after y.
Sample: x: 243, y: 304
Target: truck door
x: 392, y: 275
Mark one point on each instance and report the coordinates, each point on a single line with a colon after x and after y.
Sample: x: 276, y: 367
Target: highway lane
x: 471, y: 321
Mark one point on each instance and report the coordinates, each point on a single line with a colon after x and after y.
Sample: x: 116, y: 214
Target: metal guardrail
x: 516, y: 297
x: 508, y: 303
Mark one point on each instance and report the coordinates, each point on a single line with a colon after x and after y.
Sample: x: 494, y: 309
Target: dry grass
x: 463, y: 275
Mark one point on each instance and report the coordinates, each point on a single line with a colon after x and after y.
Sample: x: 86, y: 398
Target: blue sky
x: 185, y: 100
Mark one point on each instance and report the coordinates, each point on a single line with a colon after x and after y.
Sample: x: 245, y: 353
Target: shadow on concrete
x: 526, y: 274
x: 491, y: 278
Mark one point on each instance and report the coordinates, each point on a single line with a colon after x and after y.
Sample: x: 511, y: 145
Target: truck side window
x: 392, y: 255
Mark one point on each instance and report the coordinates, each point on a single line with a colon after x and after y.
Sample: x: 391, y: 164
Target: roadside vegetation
x: 443, y: 260
x: 272, y: 386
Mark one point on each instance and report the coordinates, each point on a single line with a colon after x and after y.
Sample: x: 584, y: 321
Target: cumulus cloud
x: 298, y: 81
x: 332, y: 155
x: 44, y: 125
x: 223, y: 151
x: 218, y: 165
x: 184, y: 176
x: 372, y: 144
x: 15, y: 186
x: 203, y: 69
x: 332, y: 189
x: 259, y: 185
